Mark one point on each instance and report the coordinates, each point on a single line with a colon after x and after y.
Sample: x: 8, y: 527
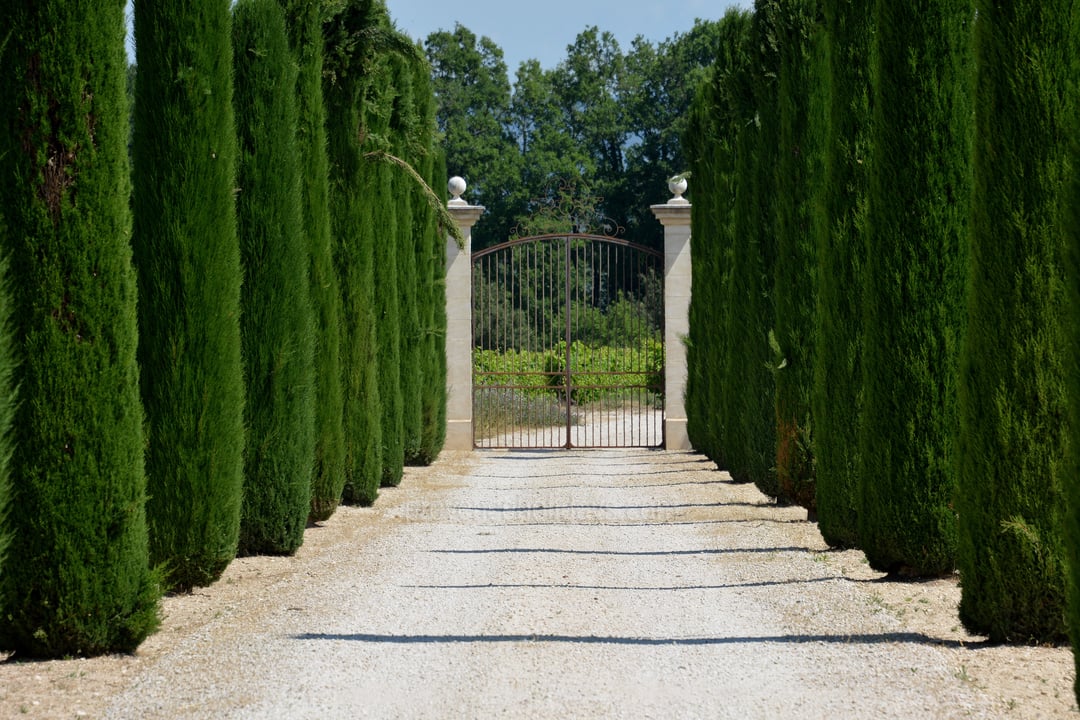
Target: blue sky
x: 542, y: 30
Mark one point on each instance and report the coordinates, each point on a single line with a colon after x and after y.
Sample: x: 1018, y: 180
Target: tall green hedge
x: 1012, y: 395
x: 1069, y: 470
x: 913, y: 283
x: 276, y: 316
x: 8, y: 400
x: 839, y: 226
x: 433, y: 317
x: 749, y: 410
x: 188, y: 259
x: 383, y: 190
x: 348, y: 35
x: 411, y: 143
x: 712, y: 144
x: 794, y: 271
x: 304, y: 24
x: 78, y: 580
x: 708, y: 144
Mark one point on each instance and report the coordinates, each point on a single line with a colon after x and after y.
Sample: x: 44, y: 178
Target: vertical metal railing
x: 567, y: 343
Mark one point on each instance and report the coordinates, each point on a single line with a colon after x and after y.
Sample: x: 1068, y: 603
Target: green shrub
x: 1012, y: 390
x: 531, y: 368
x: 913, y: 283
x: 542, y: 373
x: 78, y: 579
x: 276, y: 317
x: 839, y: 230
x: 640, y: 369
x: 304, y: 24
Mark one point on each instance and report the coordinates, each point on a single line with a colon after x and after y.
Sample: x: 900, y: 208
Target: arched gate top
x: 567, y: 236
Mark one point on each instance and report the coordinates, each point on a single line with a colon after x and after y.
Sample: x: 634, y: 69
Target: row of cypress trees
x: 171, y: 356
x: 883, y: 201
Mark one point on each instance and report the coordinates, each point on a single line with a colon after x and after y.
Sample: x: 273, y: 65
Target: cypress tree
x: 705, y: 143
x: 348, y: 76
x: 795, y: 269
x: 408, y: 265
x: 276, y: 316
x: 839, y: 228
x: 711, y: 141
x: 78, y: 580
x: 385, y: 234
x: 412, y: 348
x: 749, y: 410
x: 433, y: 320
x: 1012, y: 395
x: 304, y: 23
x: 1069, y: 470
x: 8, y: 398
x: 411, y: 145
x: 188, y: 259
x: 913, y: 284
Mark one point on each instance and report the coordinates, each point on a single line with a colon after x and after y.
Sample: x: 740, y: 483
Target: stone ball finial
x: 677, y: 185
x: 457, y: 187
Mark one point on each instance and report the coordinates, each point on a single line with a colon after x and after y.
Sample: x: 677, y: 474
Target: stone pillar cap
x: 677, y: 185
x: 456, y: 188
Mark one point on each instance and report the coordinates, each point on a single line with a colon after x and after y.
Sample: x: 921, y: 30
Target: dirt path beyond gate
x: 628, y: 583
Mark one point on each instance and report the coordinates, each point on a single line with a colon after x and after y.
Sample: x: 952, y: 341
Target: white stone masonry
x: 675, y: 217
x: 459, y: 343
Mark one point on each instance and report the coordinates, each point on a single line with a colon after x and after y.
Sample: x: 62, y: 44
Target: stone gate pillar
x: 675, y: 217
x: 459, y: 341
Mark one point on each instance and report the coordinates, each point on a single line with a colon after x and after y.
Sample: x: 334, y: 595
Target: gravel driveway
x: 627, y: 583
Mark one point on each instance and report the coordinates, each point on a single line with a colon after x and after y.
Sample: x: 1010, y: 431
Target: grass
x: 499, y: 409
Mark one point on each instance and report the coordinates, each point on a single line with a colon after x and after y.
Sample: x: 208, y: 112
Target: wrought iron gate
x: 568, y: 343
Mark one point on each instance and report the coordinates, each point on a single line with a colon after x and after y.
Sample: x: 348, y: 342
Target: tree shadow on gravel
x: 628, y: 486
x: 582, y: 471
x: 620, y: 588
x: 839, y: 639
x: 680, y: 506
x: 646, y: 524
x: 624, y: 553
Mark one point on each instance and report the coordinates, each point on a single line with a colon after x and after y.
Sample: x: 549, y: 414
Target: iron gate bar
x: 523, y: 335
x: 569, y: 349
